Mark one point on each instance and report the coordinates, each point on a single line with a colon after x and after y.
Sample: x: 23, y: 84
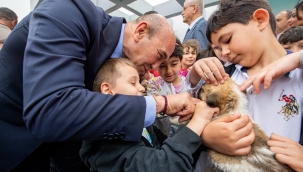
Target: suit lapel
x: 188, y: 33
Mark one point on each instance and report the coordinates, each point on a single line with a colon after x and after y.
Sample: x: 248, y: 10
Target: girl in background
x: 190, y: 50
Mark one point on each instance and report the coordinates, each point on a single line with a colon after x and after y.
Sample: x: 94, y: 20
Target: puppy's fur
x: 231, y: 100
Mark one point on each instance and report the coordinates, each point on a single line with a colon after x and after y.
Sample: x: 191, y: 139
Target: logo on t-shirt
x: 291, y: 107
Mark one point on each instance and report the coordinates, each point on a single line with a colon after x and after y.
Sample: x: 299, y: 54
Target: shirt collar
x: 118, y: 51
x: 194, y: 22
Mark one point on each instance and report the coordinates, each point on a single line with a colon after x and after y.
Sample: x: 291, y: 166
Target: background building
x: 131, y: 9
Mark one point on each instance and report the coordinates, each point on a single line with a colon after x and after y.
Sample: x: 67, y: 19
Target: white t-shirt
x: 276, y: 110
x: 279, y: 108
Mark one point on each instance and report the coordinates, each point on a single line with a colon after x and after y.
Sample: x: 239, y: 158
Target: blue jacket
x: 198, y: 32
x: 47, y: 66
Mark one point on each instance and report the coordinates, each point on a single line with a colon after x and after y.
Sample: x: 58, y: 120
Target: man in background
x: 281, y: 22
x: 192, y: 15
x: 8, y: 20
x: 4, y: 32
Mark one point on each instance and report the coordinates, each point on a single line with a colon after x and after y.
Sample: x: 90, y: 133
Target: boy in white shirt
x: 245, y: 36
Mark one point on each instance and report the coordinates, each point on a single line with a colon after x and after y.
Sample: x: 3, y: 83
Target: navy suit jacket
x: 47, y: 66
x: 198, y: 32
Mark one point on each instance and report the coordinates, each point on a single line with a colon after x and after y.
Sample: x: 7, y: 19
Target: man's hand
x: 271, y: 72
x: 287, y: 151
x: 231, y: 135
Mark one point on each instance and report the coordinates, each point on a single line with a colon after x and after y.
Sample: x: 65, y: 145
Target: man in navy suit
x: 48, y: 64
x: 192, y: 15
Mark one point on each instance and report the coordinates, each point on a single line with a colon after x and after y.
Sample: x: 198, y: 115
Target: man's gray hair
x: 199, y: 3
x: 7, y: 14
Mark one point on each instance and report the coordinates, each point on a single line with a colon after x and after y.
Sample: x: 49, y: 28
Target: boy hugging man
x: 155, y: 152
x: 244, y: 32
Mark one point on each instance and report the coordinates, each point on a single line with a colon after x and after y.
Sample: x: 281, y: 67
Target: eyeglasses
x: 187, y: 7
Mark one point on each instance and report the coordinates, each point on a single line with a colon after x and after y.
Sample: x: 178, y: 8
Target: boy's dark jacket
x: 119, y: 155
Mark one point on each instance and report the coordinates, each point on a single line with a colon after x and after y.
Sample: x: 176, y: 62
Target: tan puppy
x: 231, y: 100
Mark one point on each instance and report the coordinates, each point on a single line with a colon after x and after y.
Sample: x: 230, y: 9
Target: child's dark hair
x: 178, y: 51
x: 237, y: 11
x: 209, y: 52
x: 291, y: 35
x: 299, y: 7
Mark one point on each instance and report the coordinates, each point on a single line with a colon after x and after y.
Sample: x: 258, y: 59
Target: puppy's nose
x: 211, y: 103
x: 212, y: 100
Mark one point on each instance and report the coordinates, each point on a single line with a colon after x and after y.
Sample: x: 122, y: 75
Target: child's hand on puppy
x: 203, y: 111
x: 202, y: 116
x: 286, y: 151
x: 230, y: 135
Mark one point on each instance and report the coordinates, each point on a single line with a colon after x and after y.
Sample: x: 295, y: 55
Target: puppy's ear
x: 212, y: 100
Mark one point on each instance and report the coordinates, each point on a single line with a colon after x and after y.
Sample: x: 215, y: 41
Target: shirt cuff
x: 301, y: 60
x: 150, y: 113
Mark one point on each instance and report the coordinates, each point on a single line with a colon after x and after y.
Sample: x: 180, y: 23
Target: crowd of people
x: 81, y: 90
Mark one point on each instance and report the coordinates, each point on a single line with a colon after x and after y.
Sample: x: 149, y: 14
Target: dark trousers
x: 65, y: 158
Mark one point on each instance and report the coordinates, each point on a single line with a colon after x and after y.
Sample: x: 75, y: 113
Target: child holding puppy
x: 244, y: 32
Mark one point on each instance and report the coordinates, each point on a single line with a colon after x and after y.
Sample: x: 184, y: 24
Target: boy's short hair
x: 291, y: 35
x: 237, y: 11
x: 109, y: 72
x: 178, y: 51
x: 209, y: 52
x: 192, y: 43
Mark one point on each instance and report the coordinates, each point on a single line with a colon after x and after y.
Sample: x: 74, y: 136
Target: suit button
x: 110, y: 136
x: 105, y: 136
x: 117, y: 136
x: 122, y: 135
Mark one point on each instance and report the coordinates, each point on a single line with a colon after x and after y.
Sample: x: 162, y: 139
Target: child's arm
x: 202, y: 116
x: 273, y: 71
x: 287, y: 151
x: 211, y: 67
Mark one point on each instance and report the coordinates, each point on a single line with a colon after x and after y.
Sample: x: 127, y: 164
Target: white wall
x: 23, y: 7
